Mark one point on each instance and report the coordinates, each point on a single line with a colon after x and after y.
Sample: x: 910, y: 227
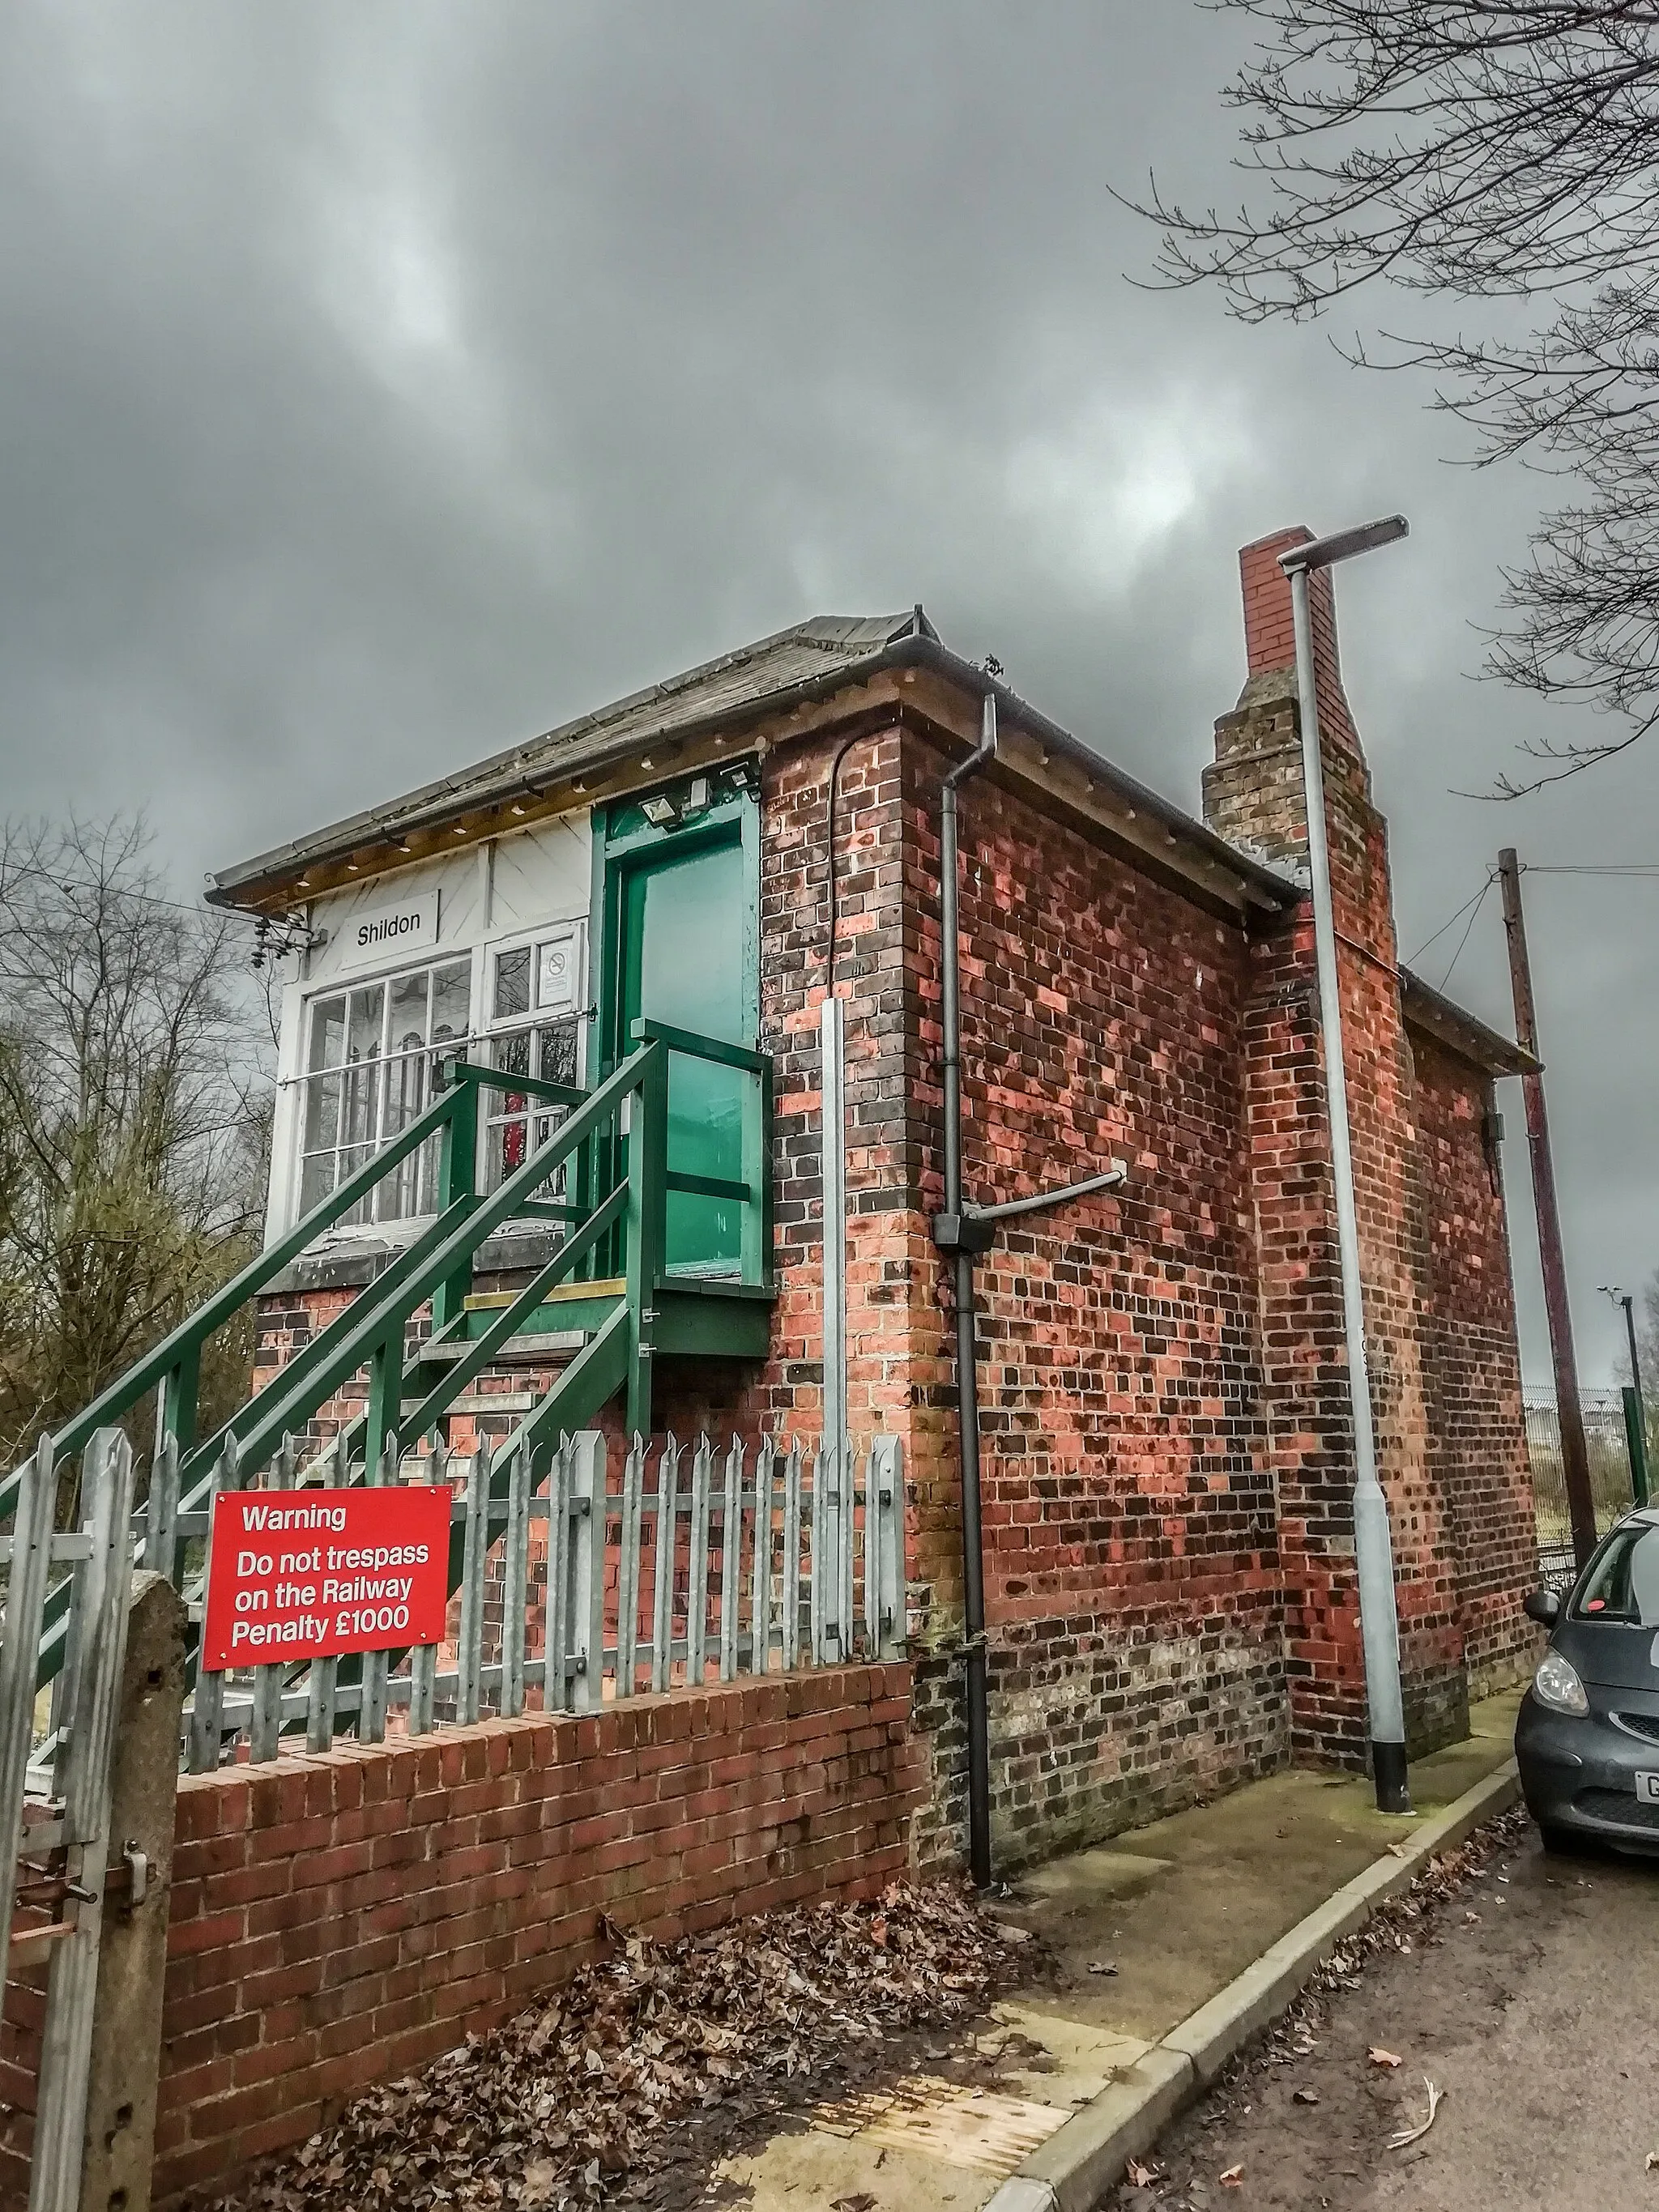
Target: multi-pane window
x: 535, y: 1029
x: 370, y: 1059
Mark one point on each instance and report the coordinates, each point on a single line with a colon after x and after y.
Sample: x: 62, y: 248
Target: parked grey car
x: 1587, y: 1741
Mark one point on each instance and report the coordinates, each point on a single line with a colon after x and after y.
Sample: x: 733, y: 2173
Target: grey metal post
x: 1373, y: 1544
x: 20, y: 1643
x: 975, y: 1708
x: 105, y: 1581
x: 834, y: 1471
x: 587, y: 1600
x: 265, y: 1727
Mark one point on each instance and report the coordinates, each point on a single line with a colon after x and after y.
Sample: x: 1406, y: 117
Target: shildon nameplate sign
x: 388, y: 932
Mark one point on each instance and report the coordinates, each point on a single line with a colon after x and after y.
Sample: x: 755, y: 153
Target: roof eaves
x: 1464, y: 1032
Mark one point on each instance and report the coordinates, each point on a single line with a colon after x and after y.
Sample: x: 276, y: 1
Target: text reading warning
x: 307, y: 1574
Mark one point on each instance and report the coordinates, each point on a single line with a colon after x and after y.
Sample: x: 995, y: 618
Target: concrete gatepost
x: 126, y: 2034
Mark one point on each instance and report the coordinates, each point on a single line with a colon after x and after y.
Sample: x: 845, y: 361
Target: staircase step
x: 560, y: 1343
x: 613, y: 1286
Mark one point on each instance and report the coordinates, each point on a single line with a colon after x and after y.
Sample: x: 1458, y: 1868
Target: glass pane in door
x: 685, y: 967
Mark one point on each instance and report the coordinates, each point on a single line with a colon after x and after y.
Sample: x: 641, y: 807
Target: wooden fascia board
x: 1090, y: 798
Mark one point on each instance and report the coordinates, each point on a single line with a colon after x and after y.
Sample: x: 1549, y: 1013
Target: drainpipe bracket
x: 962, y: 1232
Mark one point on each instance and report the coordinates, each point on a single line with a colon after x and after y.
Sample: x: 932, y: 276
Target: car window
x: 1622, y: 1585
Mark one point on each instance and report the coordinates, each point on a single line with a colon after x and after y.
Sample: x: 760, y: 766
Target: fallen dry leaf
x: 1307, y: 2096
x: 603, y: 2086
x: 1650, y: 2161
x: 1232, y: 2177
x: 1404, y: 2135
x: 1378, y: 2056
x: 864, y: 2202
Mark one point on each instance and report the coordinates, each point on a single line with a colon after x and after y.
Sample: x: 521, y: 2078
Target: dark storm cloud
x: 379, y: 385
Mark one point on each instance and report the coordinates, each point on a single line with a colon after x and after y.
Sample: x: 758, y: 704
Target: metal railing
x: 612, y: 1144
x: 701, y: 1563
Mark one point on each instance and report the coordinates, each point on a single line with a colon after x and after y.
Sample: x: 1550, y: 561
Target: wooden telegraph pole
x: 1575, y: 1460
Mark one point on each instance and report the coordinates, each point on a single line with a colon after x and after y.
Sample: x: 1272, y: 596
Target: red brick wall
x: 338, y: 1920
x: 1132, y: 1588
x: 1479, y: 1430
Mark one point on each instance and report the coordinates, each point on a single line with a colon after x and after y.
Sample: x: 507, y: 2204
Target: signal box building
x: 1167, y: 1465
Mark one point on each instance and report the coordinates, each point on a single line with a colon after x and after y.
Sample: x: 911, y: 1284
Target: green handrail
x: 184, y: 1343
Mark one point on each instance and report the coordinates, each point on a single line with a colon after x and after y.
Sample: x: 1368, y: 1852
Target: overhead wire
x: 1452, y: 923
x: 1479, y: 901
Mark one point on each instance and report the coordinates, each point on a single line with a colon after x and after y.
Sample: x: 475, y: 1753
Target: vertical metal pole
x: 20, y: 1643
x: 662, y: 1609
x: 731, y: 1560
x: 516, y: 1583
x: 66, y: 2037
x: 207, y: 1699
x: 1575, y: 1457
x: 265, y: 1726
x: 833, y: 1454
x: 1373, y: 1543
x: 382, y: 1473
x: 423, y: 1660
x: 696, y: 1605
x: 759, y: 1565
x: 628, y: 1568
x: 586, y: 1493
x: 1636, y: 1416
x: 790, y: 1591
x: 475, y: 1551
x: 973, y: 1541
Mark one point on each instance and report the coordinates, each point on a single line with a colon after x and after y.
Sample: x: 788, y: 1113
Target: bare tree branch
x: 133, y: 1115
x: 1481, y: 153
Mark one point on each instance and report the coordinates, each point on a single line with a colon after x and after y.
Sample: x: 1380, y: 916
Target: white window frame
x: 497, y: 1116
x: 483, y: 1037
x: 415, y: 1176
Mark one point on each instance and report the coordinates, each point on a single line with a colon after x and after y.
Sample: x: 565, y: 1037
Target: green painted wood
x: 713, y: 1328
x: 520, y: 1316
x: 458, y: 1185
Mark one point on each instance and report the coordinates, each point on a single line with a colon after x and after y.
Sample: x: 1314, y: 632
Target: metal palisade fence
x: 55, y: 1795
x: 603, y: 1573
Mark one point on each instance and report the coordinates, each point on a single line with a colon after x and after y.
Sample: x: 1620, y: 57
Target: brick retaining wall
x: 339, y: 1920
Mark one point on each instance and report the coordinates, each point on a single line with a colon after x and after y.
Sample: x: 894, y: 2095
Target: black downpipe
x: 972, y: 1552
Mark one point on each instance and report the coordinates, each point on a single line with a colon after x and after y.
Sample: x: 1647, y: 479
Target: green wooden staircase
x: 605, y: 1304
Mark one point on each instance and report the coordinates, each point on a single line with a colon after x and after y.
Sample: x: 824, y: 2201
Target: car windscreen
x: 1622, y: 1585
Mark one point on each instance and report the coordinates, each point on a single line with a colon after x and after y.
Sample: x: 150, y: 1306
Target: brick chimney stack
x: 1253, y: 797
x: 1253, y: 792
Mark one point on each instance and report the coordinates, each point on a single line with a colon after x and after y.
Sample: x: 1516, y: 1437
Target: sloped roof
x: 813, y: 658
x: 839, y: 646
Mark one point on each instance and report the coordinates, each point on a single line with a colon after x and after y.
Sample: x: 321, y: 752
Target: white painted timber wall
x: 488, y: 895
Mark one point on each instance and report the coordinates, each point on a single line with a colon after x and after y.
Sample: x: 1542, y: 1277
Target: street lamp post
x: 1373, y: 1545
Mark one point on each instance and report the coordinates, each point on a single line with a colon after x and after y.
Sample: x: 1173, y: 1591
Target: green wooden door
x: 685, y: 926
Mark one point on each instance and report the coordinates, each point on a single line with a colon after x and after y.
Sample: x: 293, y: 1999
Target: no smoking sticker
x: 309, y: 1574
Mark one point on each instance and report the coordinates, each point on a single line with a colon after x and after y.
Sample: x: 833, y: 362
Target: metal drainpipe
x: 973, y: 1555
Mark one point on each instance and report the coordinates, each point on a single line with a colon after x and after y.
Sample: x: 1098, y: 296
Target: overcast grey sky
x: 382, y: 384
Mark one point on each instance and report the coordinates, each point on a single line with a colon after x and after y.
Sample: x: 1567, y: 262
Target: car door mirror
x: 1543, y: 1606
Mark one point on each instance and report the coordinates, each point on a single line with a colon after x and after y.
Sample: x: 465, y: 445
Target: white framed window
x: 370, y: 1052
x: 534, y: 992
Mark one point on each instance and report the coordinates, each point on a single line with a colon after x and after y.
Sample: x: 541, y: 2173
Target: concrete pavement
x: 1148, y: 1931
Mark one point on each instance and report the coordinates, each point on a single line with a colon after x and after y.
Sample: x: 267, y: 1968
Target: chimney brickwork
x: 1253, y: 796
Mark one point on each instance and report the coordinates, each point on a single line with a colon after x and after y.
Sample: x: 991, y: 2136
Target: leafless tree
x: 1497, y: 154
x: 132, y: 1120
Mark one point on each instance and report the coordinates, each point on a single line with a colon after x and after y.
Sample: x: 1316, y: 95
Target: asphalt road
x: 1530, y: 1996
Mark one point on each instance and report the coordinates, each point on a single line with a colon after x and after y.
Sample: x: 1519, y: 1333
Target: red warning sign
x: 305, y: 1574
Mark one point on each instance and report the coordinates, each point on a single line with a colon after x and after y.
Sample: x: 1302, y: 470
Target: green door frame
x: 623, y: 839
